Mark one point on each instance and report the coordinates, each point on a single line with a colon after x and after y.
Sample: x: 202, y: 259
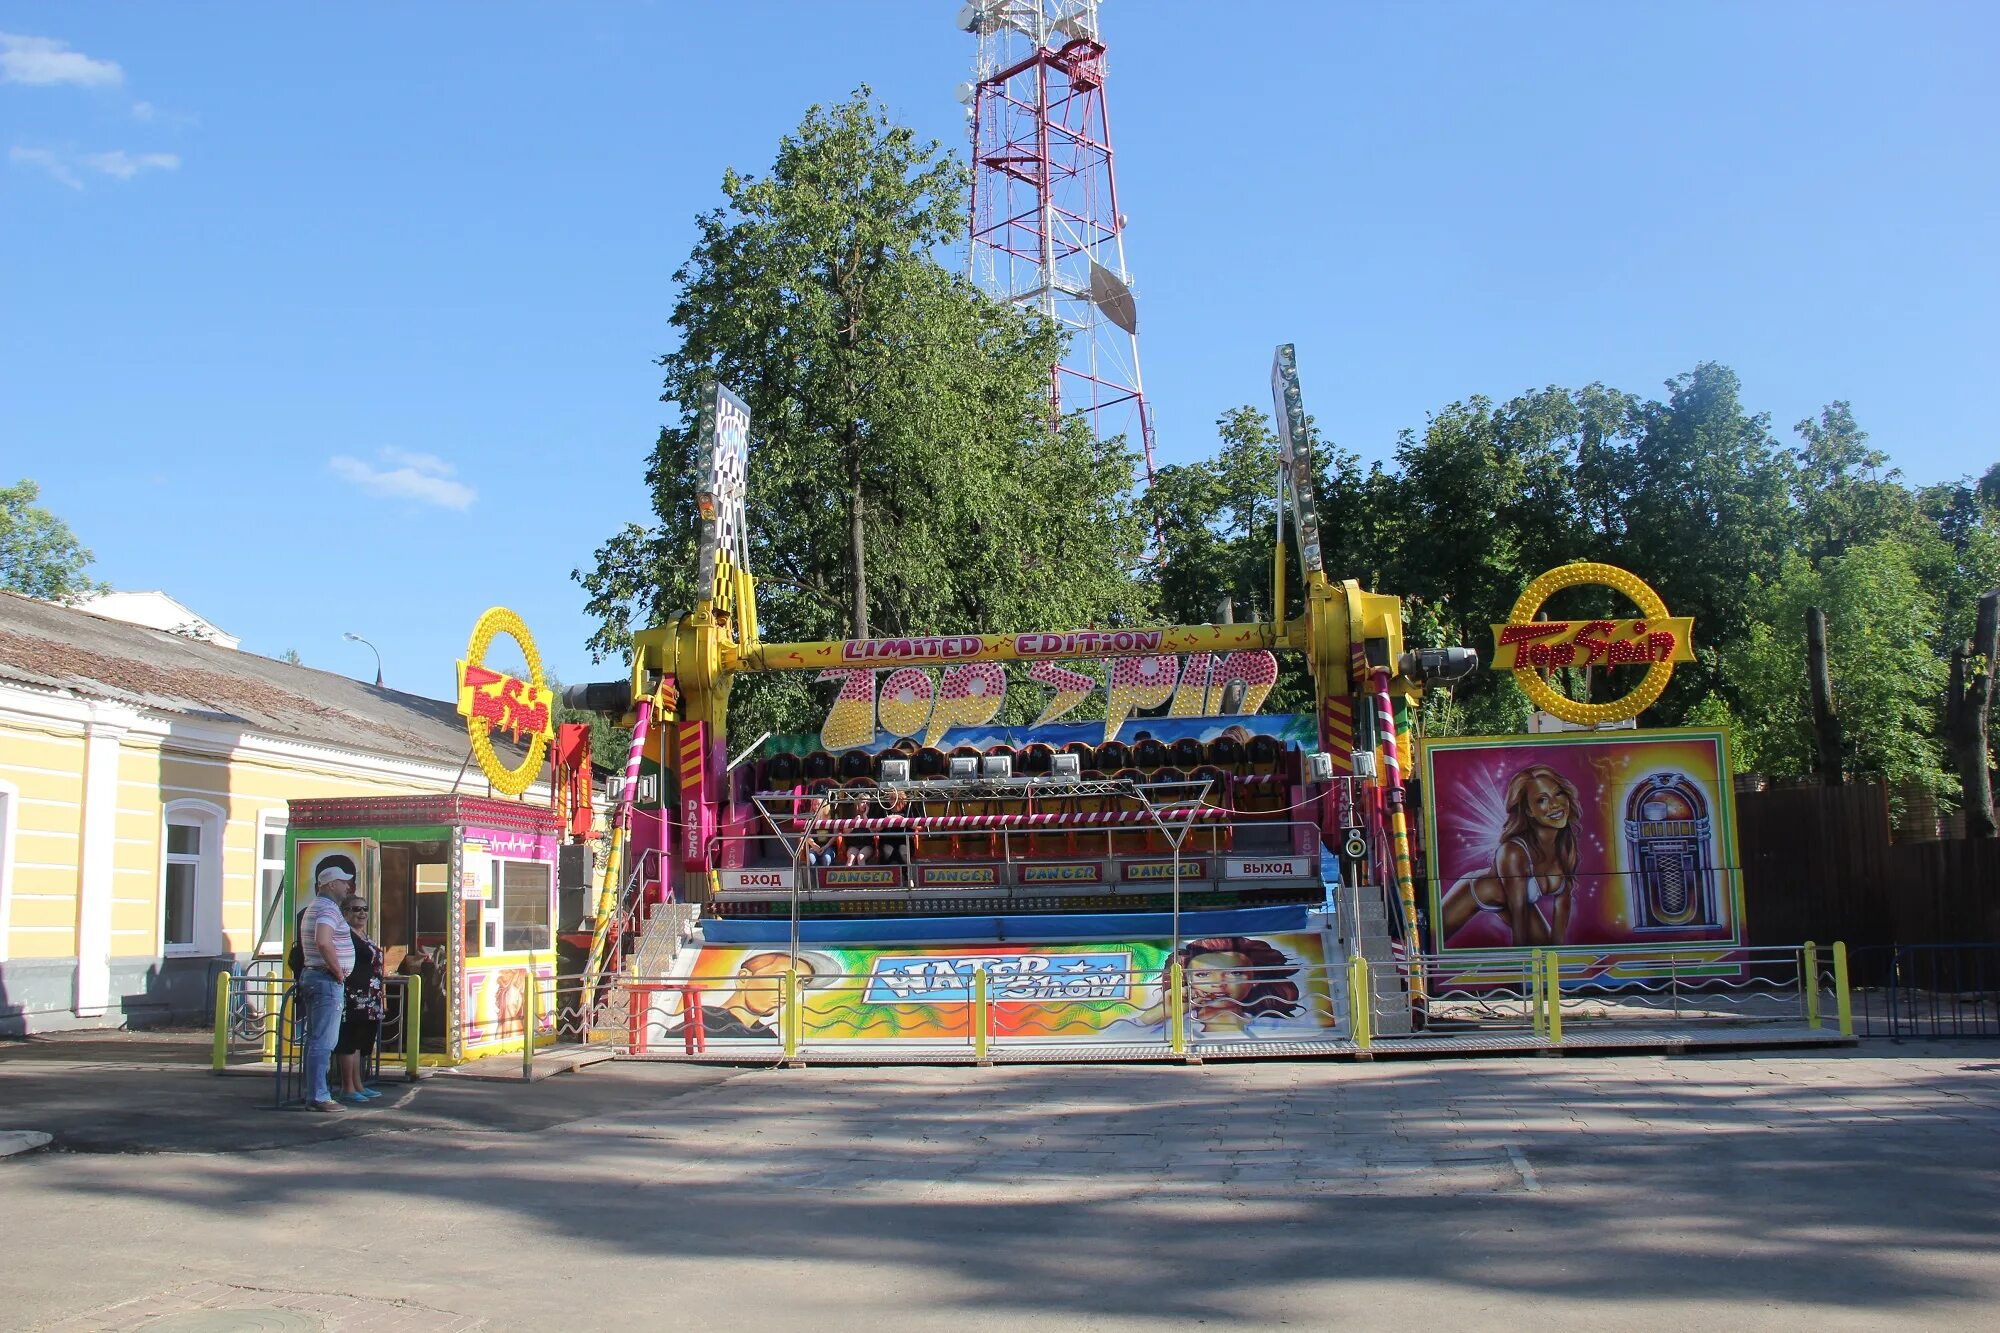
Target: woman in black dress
x: 362, y: 1022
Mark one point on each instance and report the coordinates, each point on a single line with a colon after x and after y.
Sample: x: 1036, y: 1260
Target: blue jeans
x: 321, y: 1001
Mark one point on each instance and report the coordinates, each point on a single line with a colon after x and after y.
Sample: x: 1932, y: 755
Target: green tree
x: 39, y: 555
x: 1886, y: 679
x: 905, y: 476
x: 1217, y: 519
x: 1841, y: 490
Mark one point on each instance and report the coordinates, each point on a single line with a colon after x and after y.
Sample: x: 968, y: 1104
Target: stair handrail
x: 608, y: 963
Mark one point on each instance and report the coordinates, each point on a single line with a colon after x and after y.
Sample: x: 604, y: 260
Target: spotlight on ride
x: 1438, y: 666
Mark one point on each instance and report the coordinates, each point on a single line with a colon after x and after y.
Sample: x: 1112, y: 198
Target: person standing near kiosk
x: 328, y: 949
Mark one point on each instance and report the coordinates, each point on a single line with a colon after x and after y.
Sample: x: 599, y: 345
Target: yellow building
x: 143, y: 781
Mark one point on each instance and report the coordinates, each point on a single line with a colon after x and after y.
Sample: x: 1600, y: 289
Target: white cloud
x: 421, y: 462
x: 126, y: 165
x: 46, y: 161
x: 70, y: 167
x: 45, y: 61
x: 153, y: 114
x: 425, y: 478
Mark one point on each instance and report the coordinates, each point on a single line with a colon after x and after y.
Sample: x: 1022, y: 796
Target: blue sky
x: 331, y: 318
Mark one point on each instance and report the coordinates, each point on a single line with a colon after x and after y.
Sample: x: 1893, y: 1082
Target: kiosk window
x: 524, y: 906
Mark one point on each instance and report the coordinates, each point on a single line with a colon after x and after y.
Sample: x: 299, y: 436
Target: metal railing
x: 257, y: 1024
x: 996, y: 1008
x: 1927, y: 992
x: 1551, y: 994
x: 987, y: 1009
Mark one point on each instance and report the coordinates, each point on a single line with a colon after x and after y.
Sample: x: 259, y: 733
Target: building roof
x: 60, y: 647
x: 155, y: 610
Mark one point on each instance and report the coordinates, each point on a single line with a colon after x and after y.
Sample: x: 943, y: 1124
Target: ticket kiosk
x: 462, y: 898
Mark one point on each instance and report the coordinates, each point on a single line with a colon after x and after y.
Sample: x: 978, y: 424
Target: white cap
x: 331, y: 875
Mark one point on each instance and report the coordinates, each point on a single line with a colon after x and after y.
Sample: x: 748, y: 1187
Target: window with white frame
x: 271, y: 881
x: 525, y: 917
x: 191, y: 879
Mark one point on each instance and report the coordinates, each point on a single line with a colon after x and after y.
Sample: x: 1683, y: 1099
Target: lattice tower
x: 1047, y: 232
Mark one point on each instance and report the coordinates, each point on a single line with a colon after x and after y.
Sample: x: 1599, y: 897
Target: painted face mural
x: 1239, y: 986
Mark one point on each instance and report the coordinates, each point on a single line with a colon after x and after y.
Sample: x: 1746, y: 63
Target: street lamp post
x: 371, y: 648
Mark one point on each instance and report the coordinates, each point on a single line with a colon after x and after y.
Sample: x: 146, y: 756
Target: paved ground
x: 1842, y: 1189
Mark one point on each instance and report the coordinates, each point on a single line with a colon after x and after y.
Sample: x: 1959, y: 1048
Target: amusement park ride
x: 1185, y: 871
x: 921, y: 834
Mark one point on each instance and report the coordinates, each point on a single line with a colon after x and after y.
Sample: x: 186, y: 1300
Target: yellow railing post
x: 1809, y: 978
x: 1360, y: 1001
x: 1177, y: 1007
x: 528, y: 1027
x: 1536, y: 1018
x: 413, y: 1026
x: 1553, y: 998
x: 220, y: 1056
x: 979, y: 994
x: 1840, y: 996
x: 790, y: 1023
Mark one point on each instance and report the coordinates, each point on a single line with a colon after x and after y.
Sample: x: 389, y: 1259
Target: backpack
x: 295, y: 958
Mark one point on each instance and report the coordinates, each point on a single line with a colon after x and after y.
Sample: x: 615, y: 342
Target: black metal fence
x: 1919, y: 992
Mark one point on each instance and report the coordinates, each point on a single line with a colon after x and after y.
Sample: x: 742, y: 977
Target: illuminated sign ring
x: 479, y: 724
x: 1528, y: 674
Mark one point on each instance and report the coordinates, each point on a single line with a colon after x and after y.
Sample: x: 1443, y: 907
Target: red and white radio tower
x: 1046, y: 230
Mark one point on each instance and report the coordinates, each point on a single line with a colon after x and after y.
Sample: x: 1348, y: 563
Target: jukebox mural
x: 1581, y: 839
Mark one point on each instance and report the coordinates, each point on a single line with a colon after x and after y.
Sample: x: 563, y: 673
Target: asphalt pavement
x: 1821, y: 1189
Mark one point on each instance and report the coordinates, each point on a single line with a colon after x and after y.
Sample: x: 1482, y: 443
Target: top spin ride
x: 1013, y: 829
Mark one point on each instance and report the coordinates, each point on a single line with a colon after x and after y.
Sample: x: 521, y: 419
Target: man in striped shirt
x: 328, y: 948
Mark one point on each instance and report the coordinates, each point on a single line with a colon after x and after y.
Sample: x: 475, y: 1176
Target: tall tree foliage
x: 904, y: 476
x: 39, y: 555
x: 1690, y: 489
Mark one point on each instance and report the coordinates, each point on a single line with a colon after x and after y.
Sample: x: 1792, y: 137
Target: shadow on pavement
x: 1811, y: 1180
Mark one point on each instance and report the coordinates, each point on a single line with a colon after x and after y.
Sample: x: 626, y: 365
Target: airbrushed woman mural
x: 1581, y: 840
x: 1531, y: 883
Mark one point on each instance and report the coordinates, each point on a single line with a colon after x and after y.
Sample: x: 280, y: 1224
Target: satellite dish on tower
x: 1109, y: 293
x: 966, y: 92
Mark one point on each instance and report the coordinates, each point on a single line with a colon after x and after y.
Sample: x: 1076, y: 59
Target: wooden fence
x: 1820, y: 863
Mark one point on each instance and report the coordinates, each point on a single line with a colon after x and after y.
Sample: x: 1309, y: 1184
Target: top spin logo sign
x: 1025, y: 978
x: 722, y: 471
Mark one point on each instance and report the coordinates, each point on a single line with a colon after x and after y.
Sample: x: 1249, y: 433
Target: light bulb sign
x: 1655, y: 640
x: 918, y: 703
x: 491, y: 701
x: 722, y: 467
x: 1295, y: 455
